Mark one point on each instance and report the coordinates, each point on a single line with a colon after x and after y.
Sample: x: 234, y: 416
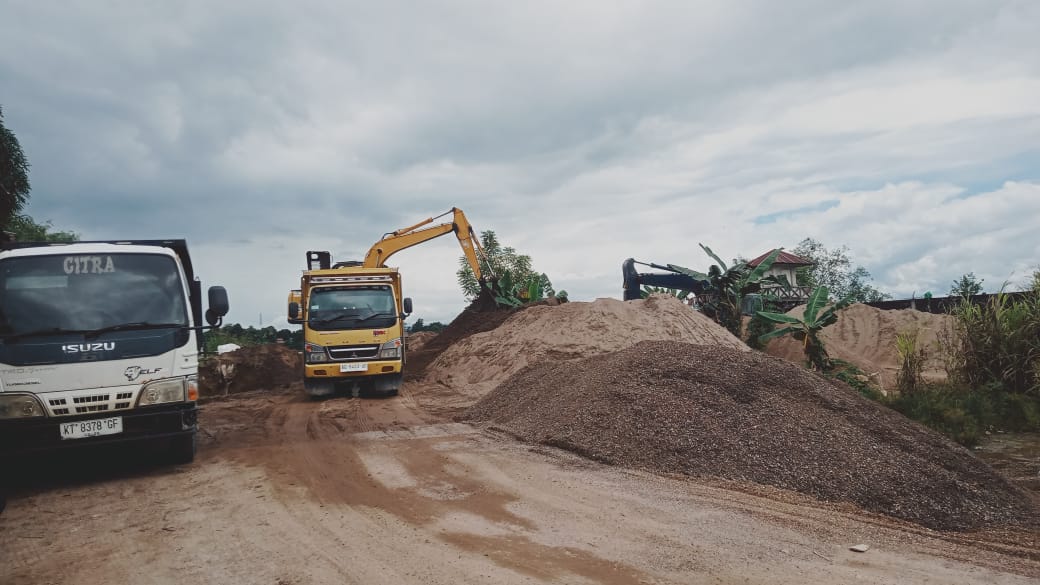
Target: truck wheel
x: 386, y: 386
x: 183, y: 448
x: 319, y: 389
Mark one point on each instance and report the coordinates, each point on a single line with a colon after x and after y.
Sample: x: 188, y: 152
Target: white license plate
x: 91, y: 428
x: 353, y: 367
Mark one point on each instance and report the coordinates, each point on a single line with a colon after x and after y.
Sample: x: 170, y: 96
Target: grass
x: 954, y: 410
x: 966, y: 415
x: 856, y: 378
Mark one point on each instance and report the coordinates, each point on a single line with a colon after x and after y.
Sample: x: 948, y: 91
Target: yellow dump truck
x: 353, y: 312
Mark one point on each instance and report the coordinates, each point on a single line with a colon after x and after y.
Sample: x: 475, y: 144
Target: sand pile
x: 416, y: 341
x: 866, y: 337
x: 718, y: 411
x: 477, y: 317
x: 477, y: 363
x: 263, y: 367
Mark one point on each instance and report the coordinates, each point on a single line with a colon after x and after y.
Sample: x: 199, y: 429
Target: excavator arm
x: 633, y: 280
x: 396, y: 241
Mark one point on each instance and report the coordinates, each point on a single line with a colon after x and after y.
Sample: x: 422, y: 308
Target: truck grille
x: 353, y: 353
x: 83, y: 402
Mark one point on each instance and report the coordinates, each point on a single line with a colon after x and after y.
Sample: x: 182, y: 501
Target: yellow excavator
x: 353, y: 312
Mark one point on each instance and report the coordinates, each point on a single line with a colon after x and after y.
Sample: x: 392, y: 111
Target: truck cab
x: 100, y: 343
x: 353, y: 329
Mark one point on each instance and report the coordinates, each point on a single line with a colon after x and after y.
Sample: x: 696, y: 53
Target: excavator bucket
x: 485, y: 301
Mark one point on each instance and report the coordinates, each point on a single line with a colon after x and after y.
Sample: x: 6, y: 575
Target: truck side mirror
x: 218, y: 304
x: 407, y: 305
x: 294, y: 310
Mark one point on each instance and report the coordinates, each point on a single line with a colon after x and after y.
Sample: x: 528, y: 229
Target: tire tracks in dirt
x: 371, y: 458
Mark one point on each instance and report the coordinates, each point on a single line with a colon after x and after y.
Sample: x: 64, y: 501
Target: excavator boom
x: 396, y: 241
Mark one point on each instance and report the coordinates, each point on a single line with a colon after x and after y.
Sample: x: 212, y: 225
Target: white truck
x: 100, y: 343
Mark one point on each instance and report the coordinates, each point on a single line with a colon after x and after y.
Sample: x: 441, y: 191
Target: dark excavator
x: 671, y: 278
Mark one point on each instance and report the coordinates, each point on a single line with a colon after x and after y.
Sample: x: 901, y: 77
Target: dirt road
x: 287, y: 491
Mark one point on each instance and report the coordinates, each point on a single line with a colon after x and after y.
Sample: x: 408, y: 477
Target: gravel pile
x: 715, y: 411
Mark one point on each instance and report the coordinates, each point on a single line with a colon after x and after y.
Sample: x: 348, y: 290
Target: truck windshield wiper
x: 336, y: 318
x: 355, y: 318
x: 136, y: 325
x: 374, y: 315
x: 38, y: 333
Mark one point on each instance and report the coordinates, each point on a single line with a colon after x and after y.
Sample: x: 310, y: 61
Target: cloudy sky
x: 583, y: 133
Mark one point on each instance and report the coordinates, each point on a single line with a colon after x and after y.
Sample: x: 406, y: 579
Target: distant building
x: 786, y: 265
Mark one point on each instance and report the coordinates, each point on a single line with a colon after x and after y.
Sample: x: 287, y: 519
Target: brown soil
x: 866, y: 337
x: 473, y: 319
x: 262, y: 367
x: 415, y: 341
x: 716, y: 411
x: 295, y: 492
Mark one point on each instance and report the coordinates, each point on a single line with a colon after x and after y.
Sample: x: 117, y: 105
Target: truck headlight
x: 391, y: 350
x: 163, y: 391
x: 314, y: 353
x: 19, y: 406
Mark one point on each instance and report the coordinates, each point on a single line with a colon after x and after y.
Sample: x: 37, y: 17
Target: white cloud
x: 583, y: 133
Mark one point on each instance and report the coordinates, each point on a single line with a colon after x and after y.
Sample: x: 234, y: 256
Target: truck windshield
x: 351, y: 307
x: 85, y: 292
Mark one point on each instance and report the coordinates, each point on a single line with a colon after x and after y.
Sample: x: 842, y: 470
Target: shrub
x: 997, y: 342
x: 965, y: 414
x: 911, y: 362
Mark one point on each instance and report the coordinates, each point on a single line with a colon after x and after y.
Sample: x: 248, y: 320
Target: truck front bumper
x: 325, y: 379
x: 326, y: 370
x: 20, y: 438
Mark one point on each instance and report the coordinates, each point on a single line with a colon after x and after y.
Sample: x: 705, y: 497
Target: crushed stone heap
x: 716, y: 411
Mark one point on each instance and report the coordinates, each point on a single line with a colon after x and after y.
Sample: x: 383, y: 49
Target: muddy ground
x: 290, y: 491
x: 287, y: 490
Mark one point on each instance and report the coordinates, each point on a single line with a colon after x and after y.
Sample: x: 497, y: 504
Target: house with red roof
x: 786, y: 265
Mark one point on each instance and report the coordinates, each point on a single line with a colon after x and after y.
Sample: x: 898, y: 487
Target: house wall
x: 788, y: 271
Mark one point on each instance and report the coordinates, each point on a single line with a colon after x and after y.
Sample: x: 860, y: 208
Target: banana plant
x: 807, y: 329
x: 511, y: 292
x: 674, y: 292
x: 729, y: 286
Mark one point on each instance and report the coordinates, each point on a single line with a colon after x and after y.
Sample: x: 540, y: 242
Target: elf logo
x: 134, y: 372
x: 88, y: 347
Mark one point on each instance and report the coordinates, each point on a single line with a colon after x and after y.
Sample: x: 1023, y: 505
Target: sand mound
x: 718, y: 411
x: 475, y: 364
x: 473, y: 319
x: 416, y: 341
x: 866, y: 337
x: 262, y: 367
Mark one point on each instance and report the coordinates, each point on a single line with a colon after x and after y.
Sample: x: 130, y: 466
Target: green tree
x: 833, y: 269
x: 497, y: 260
x: 14, y: 174
x: 968, y: 285
x: 26, y: 229
x: 419, y: 325
x: 807, y: 329
x: 518, y: 281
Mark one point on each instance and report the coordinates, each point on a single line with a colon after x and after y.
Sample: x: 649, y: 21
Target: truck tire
x: 319, y: 389
x: 385, y: 386
x: 183, y: 449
